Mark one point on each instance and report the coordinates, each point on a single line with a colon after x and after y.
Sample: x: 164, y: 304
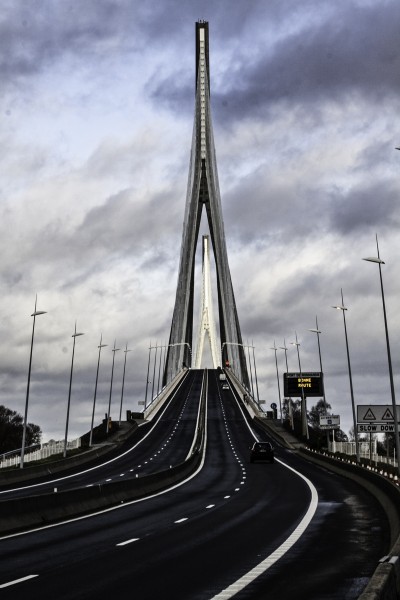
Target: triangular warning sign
x: 369, y: 416
x: 387, y: 415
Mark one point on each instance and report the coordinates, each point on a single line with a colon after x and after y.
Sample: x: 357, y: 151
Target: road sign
x: 311, y: 384
x: 376, y: 413
x: 329, y: 421
x: 375, y: 427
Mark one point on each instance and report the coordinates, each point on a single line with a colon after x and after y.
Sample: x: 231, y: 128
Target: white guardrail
x: 13, y: 459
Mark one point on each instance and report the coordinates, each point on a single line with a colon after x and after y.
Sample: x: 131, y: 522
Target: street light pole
x: 290, y: 408
x: 318, y: 332
x: 343, y: 309
x: 123, y: 383
x: 147, y: 378
x: 251, y: 370
x: 154, y: 373
x: 392, y: 392
x: 100, y: 346
x: 304, y: 423
x: 114, y: 350
x: 75, y: 335
x: 35, y: 314
x: 277, y: 378
x: 255, y: 374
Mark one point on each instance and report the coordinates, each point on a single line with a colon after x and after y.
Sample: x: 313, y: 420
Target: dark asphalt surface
x: 194, y: 541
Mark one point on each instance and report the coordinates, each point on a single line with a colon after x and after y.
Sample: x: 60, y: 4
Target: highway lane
x: 155, y: 447
x: 202, y: 537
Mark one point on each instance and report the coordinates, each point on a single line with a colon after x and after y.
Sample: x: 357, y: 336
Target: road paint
x: 9, y: 583
x: 181, y: 520
x: 270, y: 560
x: 128, y: 542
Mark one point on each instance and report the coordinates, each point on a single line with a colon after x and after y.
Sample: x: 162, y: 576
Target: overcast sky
x: 97, y: 106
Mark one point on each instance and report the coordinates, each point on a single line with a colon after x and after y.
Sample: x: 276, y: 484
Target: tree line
x: 11, y: 430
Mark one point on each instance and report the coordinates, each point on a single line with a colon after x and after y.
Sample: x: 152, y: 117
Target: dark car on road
x: 262, y: 451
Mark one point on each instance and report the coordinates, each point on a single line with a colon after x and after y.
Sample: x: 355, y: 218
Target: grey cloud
x: 355, y: 54
x: 325, y: 60
x: 365, y: 207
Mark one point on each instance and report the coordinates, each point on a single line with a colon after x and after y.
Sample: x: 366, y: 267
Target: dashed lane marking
x: 9, y: 583
x: 128, y: 542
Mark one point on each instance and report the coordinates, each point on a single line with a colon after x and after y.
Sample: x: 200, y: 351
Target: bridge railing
x: 13, y: 458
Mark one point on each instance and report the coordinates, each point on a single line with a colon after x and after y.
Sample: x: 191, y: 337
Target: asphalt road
x: 156, y: 446
x: 234, y: 526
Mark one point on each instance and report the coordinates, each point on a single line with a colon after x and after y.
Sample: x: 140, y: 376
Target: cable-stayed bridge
x: 173, y: 507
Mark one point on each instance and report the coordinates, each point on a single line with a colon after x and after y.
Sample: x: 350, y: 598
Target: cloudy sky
x: 96, y: 108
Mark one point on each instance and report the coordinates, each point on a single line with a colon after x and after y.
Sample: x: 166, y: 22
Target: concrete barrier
x: 385, y: 581
x: 35, y: 511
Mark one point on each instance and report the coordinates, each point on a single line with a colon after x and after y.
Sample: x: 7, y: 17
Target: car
x: 262, y: 451
x: 225, y: 386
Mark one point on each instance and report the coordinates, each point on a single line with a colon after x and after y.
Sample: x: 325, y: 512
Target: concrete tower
x: 203, y: 191
x: 206, y: 321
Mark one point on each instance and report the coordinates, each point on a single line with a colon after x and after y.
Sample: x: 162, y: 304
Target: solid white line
x: 107, y: 462
x: 264, y: 565
x: 127, y: 542
x: 4, y: 585
x: 112, y: 508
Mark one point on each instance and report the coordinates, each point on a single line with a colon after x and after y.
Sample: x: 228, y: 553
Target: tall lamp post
x: 114, y: 350
x: 255, y: 373
x: 251, y: 370
x: 254, y: 363
x: 289, y: 399
x: 35, y: 314
x: 277, y: 378
x: 147, y: 378
x: 74, y: 335
x: 154, y: 373
x: 100, y: 346
x: 318, y: 332
x: 304, y: 424
x: 123, y: 383
x: 343, y: 309
x: 380, y: 262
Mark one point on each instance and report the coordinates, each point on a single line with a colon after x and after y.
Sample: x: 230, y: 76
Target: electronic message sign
x: 297, y: 384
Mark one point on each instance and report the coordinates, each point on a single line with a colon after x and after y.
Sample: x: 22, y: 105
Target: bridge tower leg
x: 206, y: 321
x: 203, y: 191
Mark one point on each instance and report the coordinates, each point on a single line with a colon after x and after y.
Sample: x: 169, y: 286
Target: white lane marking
x: 127, y: 542
x: 181, y: 520
x: 210, y: 506
x: 264, y: 565
x: 128, y: 503
x: 4, y: 585
x: 107, y: 462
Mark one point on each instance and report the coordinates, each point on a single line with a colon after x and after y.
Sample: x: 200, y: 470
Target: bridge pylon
x: 203, y: 191
x: 206, y: 321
